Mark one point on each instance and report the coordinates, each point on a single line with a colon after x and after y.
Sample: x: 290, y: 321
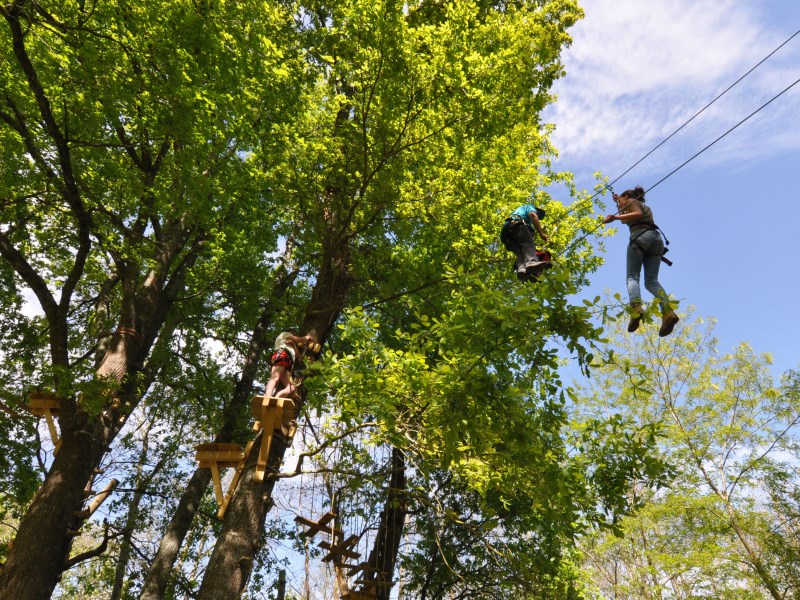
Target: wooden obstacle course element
x: 270, y: 413
x: 364, y: 566
x: 221, y: 455
x: 312, y: 347
x: 47, y: 405
x: 373, y: 583
x: 314, y: 527
x: 342, y: 549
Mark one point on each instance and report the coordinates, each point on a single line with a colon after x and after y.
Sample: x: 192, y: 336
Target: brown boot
x: 668, y: 322
x: 636, y: 317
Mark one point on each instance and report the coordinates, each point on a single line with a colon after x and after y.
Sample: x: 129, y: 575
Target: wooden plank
x: 270, y: 416
x: 224, y: 455
x: 235, y: 481
x: 40, y: 405
x: 316, y: 527
x: 373, y: 583
x: 255, y: 406
x: 342, y: 549
x: 267, y: 421
x: 101, y: 497
x: 258, y: 403
x: 51, y: 426
x: 364, y: 567
x: 217, y: 482
x: 359, y: 595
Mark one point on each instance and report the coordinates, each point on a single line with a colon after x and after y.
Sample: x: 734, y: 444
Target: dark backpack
x: 505, y: 235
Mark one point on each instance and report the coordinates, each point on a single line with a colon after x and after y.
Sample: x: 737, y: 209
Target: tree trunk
x: 46, y: 532
x: 386, y: 548
x: 158, y: 576
x: 240, y: 540
x: 242, y: 533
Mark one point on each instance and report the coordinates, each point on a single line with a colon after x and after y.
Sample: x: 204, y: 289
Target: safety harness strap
x: 653, y: 227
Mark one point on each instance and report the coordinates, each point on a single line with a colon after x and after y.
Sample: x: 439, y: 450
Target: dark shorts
x: 281, y: 358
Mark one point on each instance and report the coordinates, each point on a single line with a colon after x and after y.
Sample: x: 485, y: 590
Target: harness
x: 652, y: 227
x: 505, y: 231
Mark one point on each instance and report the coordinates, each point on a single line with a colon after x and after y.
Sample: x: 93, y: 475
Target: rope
x: 768, y: 102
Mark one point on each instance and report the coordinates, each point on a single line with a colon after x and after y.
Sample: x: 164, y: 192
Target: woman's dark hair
x: 636, y: 193
x: 540, y: 213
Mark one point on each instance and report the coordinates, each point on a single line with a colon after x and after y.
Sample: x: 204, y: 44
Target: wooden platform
x: 47, y: 405
x: 216, y: 456
x: 358, y: 595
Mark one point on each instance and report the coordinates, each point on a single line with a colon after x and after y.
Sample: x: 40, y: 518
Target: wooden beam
x: 364, y: 566
x: 234, y: 482
x: 225, y: 455
x: 373, y: 583
x: 341, y: 549
x: 218, y: 455
x: 359, y: 595
x: 99, y: 499
x: 321, y: 525
x: 269, y: 411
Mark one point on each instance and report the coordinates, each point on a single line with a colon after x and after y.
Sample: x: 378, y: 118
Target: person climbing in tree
x: 645, y: 248
x: 287, y: 345
x: 517, y: 237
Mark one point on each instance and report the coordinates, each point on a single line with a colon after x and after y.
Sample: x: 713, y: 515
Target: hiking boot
x: 668, y: 322
x: 636, y: 317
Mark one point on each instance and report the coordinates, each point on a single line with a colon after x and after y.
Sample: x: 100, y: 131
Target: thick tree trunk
x: 383, y: 558
x: 45, y: 534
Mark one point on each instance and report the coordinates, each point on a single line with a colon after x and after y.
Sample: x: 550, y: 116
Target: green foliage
x: 722, y: 527
x: 380, y: 143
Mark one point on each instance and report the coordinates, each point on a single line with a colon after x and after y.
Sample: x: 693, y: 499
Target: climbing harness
x: 505, y: 231
x: 652, y: 227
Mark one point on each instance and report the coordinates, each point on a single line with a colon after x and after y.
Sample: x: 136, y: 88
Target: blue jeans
x: 650, y: 259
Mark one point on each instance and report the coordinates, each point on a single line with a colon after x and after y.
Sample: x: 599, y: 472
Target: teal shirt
x: 523, y: 212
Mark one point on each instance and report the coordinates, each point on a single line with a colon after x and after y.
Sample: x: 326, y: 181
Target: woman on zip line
x: 645, y: 249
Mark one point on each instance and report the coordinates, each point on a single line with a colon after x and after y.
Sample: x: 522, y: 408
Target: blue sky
x: 638, y: 70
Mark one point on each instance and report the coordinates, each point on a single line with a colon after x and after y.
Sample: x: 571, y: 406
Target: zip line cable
x: 697, y: 114
x: 665, y: 140
x: 686, y: 162
x: 770, y: 101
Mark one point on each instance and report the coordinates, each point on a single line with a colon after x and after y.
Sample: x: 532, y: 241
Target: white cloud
x: 638, y: 70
